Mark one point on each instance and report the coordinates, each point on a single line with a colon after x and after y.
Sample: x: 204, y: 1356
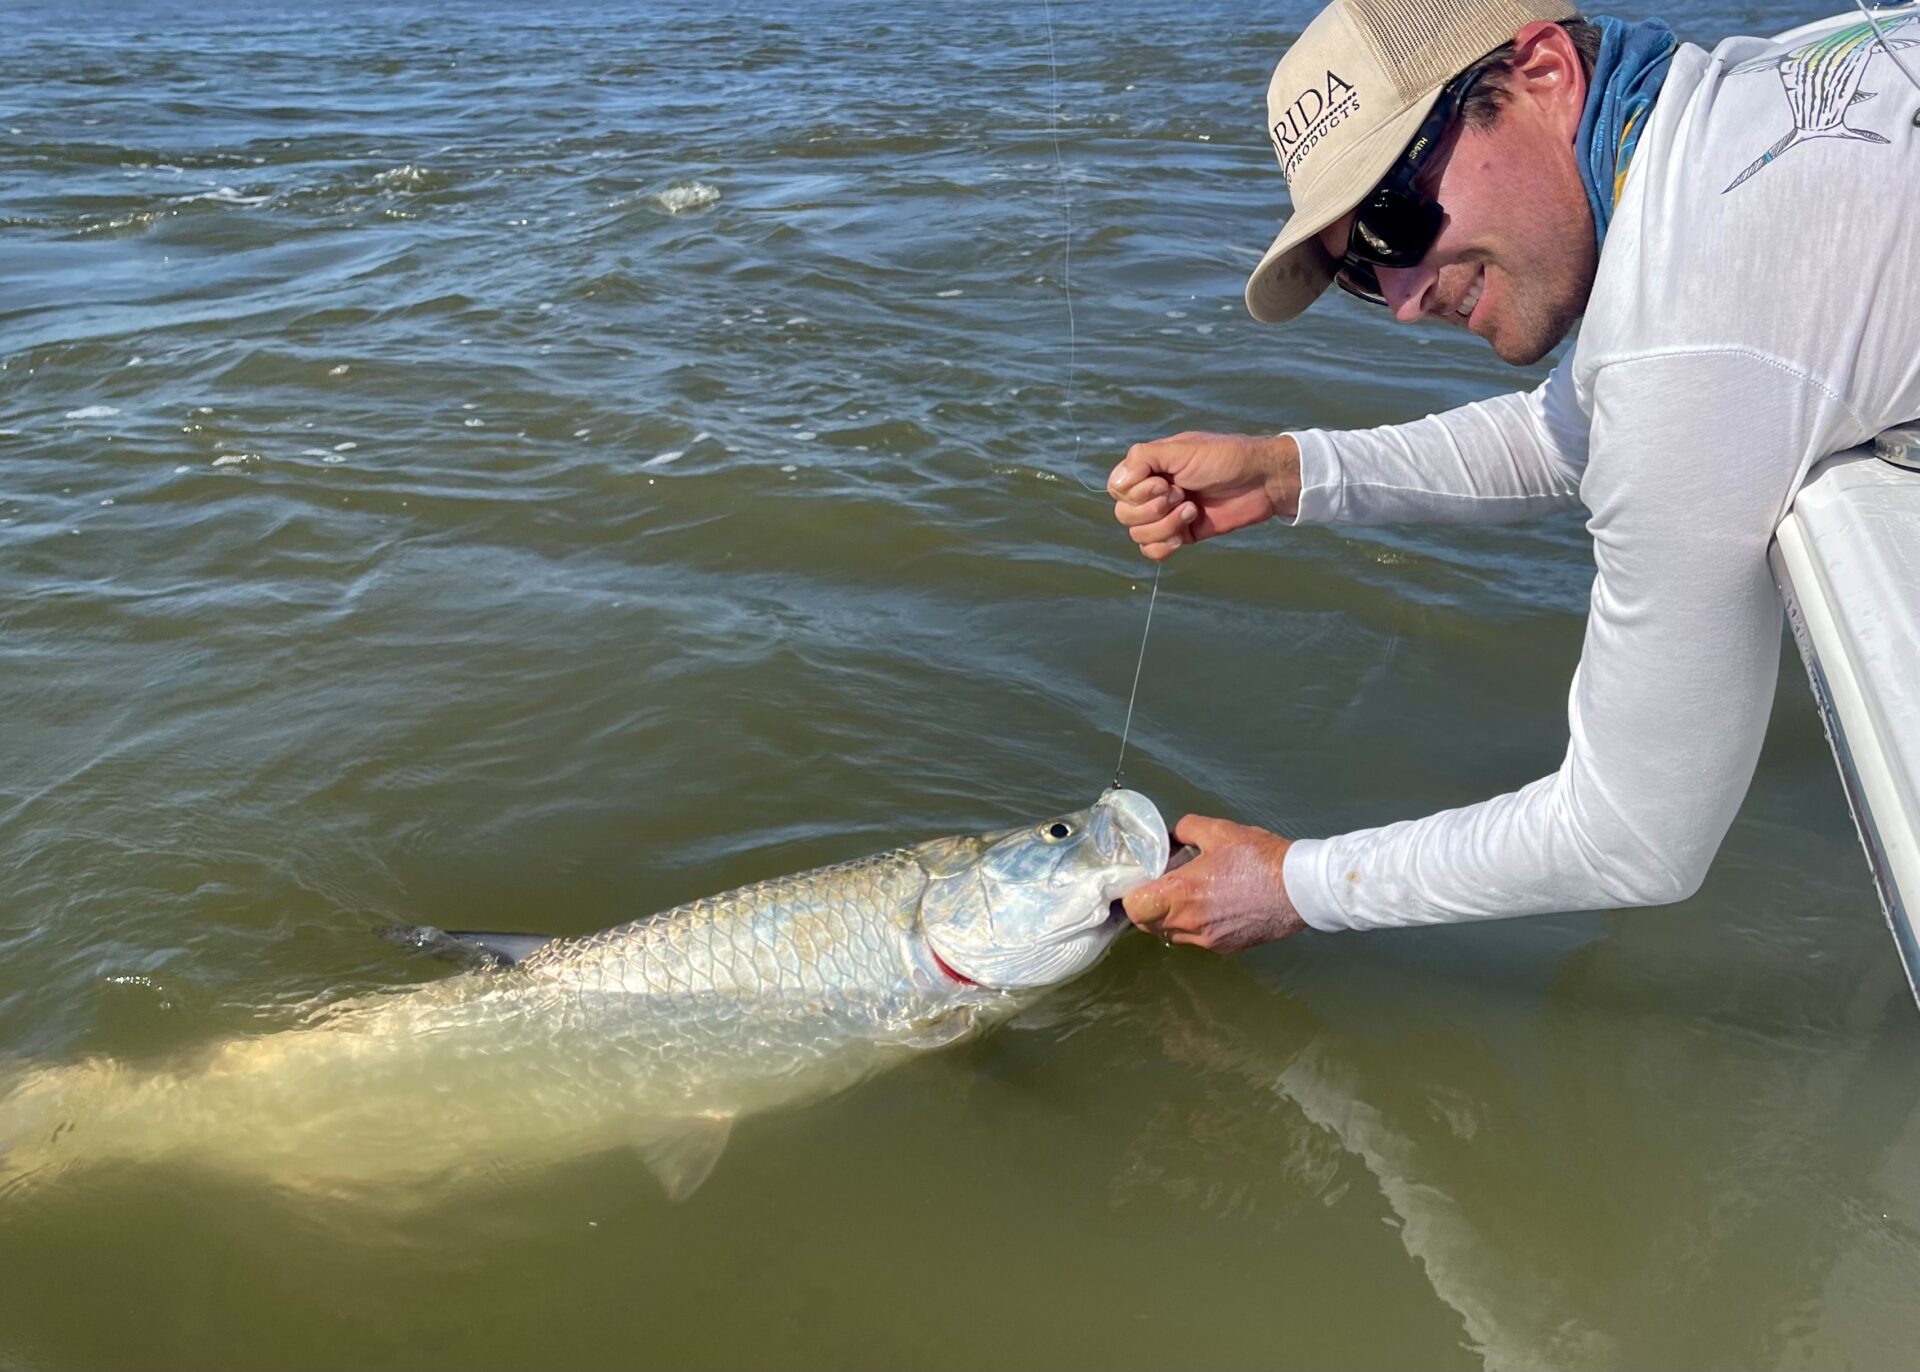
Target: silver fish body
x: 656, y: 1034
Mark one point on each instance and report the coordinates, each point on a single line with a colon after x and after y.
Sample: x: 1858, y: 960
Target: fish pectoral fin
x: 681, y: 1152
x: 940, y: 1028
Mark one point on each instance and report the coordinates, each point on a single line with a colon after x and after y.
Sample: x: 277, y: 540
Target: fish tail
x: 34, y: 1121
x: 1791, y: 137
x: 52, y: 1116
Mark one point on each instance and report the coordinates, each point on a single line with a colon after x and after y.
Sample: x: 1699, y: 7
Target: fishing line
x: 1066, y: 266
x: 1134, y: 694
x: 1073, y: 355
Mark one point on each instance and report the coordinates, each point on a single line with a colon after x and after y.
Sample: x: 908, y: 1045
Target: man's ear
x: 1548, y: 74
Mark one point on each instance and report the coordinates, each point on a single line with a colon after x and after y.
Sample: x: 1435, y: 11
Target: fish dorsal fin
x: 681, y: 1152
x: 508, y: 948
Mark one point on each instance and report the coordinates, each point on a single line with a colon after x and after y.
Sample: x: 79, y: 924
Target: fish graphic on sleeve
x: 1822, y: 81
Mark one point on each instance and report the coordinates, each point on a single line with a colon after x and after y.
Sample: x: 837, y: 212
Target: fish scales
x: 844, y: 930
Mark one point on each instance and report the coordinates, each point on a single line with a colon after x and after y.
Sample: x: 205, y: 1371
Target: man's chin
x: 1522, y: 356
x: 1522, y: 346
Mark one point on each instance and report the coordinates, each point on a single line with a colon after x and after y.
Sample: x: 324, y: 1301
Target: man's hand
x: 1230, y: 897
x: 1192, y: 486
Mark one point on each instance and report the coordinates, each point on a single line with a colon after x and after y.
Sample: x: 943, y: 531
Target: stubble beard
x: 1542, y: 319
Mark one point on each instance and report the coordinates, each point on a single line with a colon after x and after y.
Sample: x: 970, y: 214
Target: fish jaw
x: 1139, y: 828
x: 1035, y: 907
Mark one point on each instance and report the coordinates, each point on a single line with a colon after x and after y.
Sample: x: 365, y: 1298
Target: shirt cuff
x: 1305, y: 873
x: 1320, y: 477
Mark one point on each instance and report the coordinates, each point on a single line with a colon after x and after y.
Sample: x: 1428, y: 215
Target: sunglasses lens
x: 1394, y: 228
x: 1357, y: 278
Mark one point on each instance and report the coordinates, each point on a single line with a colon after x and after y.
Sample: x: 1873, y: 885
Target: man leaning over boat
x: 1735, y: 229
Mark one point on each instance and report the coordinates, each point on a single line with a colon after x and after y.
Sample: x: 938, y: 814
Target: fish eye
x: 1058, y: 830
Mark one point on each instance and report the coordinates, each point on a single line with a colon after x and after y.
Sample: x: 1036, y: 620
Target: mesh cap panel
x: 1426, y: 43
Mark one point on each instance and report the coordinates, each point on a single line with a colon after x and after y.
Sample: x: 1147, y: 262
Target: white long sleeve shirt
x: 1757, y: 307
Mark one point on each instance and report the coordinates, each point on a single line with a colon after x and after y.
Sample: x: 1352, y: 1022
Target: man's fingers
x: 1151, y: 904
x: 1188, y: 924
x: 1203, y: 831
x: 1147, y: 906
x: 1150, y: 500
x: 1171, y: 526
x: 1133, y: 469
x: 1161, y: 456
x: 1181, y: 936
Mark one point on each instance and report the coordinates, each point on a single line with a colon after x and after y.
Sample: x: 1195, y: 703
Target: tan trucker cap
x: 1344, y: 103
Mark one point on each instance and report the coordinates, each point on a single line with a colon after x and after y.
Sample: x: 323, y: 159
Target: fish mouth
x: 1135, y: 829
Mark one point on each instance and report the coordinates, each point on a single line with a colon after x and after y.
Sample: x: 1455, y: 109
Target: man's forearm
x: 1494, y: 461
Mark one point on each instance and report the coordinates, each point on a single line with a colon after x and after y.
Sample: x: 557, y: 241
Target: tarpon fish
x: 1822, y: 81
x: 656, y: 1034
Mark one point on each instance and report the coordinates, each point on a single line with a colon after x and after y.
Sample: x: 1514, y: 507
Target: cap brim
x: 1296, y: 269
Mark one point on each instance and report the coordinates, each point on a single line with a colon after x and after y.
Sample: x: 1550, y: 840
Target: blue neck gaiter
x: 1626, y: 80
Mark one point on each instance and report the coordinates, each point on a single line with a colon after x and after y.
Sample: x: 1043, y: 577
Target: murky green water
x: 504, y: 469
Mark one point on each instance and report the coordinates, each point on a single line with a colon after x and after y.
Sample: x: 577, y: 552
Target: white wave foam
x: 687, y: 195
x: 410, y: 177
x: 225, y: 195
x: 665, y: 458
x: 93, y: 412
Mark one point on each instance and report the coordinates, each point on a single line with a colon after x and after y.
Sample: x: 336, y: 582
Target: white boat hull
x: 1847, y: 561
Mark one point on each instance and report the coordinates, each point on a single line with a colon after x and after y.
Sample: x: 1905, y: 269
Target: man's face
x: 1515, y: 258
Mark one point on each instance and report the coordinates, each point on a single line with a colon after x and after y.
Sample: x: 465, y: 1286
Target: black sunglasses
x: 1396, y: 224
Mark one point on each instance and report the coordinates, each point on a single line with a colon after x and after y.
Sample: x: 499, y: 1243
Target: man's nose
x: 1405, y: 289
